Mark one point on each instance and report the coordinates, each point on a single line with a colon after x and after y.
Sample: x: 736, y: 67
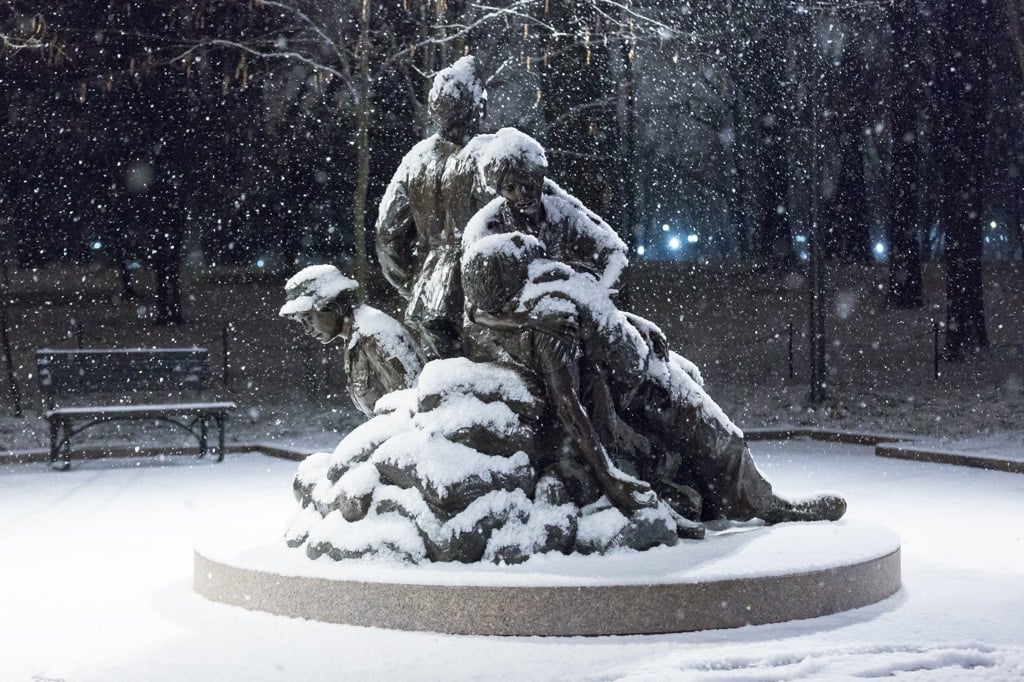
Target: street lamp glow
x: 640, y: 250
x: 879, y: 248
x: 692, y: 238
x: 665, y: 228
x: 674, y: 243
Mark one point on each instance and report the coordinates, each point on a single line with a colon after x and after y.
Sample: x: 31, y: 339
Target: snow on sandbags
x: 442, y: 473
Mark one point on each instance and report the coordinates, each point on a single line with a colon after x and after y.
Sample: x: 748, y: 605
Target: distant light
x: 97, y: 245
x: 993, y: 224
x: 879, y: 248
x: 674, y: 243
x: 692, y: 238
x: 260, y: 263
x: 801, y: 239
x: 641, y: 250
x: 665, y: 227
x: 804, y: 255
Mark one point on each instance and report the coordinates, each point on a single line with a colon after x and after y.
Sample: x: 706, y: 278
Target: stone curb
x: 893, y: 446
x: 885, y: 445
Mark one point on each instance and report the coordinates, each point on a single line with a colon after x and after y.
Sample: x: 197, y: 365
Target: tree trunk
x: 905, y: 282
x: 5, y: 338
x: 1015, y: 27
x: 365, y: 93
x: 817, y: 292
x: 579, y: 105
x: 964, y: 85
x: 774, y: 93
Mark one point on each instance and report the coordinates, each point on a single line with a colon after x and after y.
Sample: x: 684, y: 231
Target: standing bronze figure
x: 419, y: 221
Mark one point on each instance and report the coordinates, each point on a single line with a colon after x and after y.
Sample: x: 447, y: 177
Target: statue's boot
x: 823, y: 507
x: 687, y: 529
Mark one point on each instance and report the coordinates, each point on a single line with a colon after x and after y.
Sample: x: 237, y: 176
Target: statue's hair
x: 458, y: 89
x: 509, y: 150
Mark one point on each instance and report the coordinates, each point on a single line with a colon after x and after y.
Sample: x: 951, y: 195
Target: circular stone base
x: 745, y: 575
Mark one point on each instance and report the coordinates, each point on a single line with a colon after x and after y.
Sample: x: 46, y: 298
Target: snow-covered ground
x: 95, y: 584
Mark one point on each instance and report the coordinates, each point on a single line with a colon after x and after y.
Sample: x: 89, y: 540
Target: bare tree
x: 906, y: 288
x: 964, y: 83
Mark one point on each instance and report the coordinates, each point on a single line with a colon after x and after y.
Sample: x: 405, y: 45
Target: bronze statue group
x: 500, y: 266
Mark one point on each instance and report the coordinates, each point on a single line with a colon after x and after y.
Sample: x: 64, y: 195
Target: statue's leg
x: 629, y: 449
x: 702, y: 450
x: 716, y: 461
x: 440, y: 338
x: 707, y: 456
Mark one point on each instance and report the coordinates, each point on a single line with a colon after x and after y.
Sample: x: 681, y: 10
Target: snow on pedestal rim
x: 739, y: 552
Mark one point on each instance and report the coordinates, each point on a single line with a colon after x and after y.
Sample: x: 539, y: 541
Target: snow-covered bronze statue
x: 537, y: 283
x: 563, y: 424
x: 380, y: 355
x: 425, y: 207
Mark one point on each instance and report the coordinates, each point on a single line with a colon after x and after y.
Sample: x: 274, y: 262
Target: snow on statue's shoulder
x: 389, y: 334
x: 422, y: 154
x: 482, y: 222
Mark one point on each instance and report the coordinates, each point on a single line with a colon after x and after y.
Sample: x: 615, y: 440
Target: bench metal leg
x: 59, y: 428
x: 202, y: 435
x: 53, y: 441
x: 221, y: 418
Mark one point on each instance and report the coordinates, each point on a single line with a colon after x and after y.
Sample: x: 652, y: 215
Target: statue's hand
x: 659, y: 344
x: 653, y: 336
x: 628, y: 495
x: 555, y: 314
x: 559, y: 323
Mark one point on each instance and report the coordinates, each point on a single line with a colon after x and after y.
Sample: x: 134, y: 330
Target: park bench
x: 116, y: 375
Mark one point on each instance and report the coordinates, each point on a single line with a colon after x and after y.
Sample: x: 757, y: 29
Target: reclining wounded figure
x: 538, y: 297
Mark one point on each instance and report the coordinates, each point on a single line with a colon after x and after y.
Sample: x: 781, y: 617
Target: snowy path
x: 96, y: 573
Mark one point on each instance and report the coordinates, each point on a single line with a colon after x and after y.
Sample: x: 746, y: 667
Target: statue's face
x: 458, y: 124
x: 522, y: 191
x: 323, y: 325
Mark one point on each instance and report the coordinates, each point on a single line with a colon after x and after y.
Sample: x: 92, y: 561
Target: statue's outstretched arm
x: 560, y: 324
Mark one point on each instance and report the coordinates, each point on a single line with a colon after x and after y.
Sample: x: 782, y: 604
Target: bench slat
x: 134, y: 410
